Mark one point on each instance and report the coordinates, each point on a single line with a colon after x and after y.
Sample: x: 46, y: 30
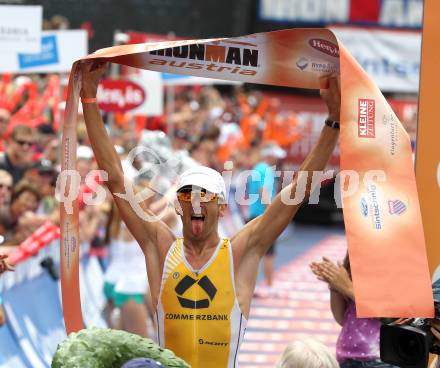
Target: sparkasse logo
x: 325, y: 46
x: 366, y: 116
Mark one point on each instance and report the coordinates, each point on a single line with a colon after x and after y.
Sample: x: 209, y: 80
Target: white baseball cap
x: 273, y: 149
x: 205, y: 178
x: 84, y: 152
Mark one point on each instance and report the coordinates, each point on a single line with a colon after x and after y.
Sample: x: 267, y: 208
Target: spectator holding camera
x: 435, y: 329
x: 358, y: 344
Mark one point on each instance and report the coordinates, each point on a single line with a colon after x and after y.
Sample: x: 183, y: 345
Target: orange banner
x: 69, y: 219
x: 382, y: 217
x: 428, y: 131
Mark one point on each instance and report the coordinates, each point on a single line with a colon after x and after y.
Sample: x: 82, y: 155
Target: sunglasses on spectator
x: 8, y: 187
x: 22, y: 142
x: 204, y: 196
x: 46, y: 173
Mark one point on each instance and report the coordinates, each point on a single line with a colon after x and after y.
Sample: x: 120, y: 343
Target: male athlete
x: 201, y: 285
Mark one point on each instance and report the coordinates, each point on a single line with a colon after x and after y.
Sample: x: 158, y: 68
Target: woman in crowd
x: 5, y: 188
x: 126, y: 278
x: 358, y: 344
x: 19, y: 220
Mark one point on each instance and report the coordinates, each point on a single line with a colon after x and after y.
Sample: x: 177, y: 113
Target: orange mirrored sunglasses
x: 204, y: 196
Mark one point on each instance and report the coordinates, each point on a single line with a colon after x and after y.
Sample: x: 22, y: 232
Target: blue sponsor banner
x: 47, y: 56
x: 10, y: 351
x: 34, y: 320
x: 318, y: 13
x: 37, y: 323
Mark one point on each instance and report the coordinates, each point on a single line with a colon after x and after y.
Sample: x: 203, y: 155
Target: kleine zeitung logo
x: 366, y: 118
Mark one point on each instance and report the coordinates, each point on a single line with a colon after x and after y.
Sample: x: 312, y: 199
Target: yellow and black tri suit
x: 198, y: 315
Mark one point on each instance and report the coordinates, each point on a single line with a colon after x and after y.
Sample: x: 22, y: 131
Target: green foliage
x: 106, y: 348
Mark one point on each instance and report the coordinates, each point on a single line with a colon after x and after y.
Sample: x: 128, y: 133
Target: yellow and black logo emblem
x: 186, y: 283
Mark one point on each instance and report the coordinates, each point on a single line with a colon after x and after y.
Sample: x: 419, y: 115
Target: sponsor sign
x: 226, y: 57
x: 383, y: 13
x: 366, y: 118
x: 325, y: 46
x: 204, y: 283
x: 364, y: 207
x: 370, y: 206
x: 141, y: 94
x: 119, y: 95
x: 317, y: 66
x: 47, y: 56
x: 20, y: 28
x: 58, y: 50
x: 389, y: 121
x: 40, y: 329
x: 152, y: 84
x: 170, y: 79
x: 391, y: 58
x: 396, y: 207
x: 380, y: 211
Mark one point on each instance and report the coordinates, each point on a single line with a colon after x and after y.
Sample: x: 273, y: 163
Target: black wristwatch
x: 332, y: 124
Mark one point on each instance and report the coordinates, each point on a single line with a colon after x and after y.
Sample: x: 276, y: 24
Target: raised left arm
x: 279, y: 214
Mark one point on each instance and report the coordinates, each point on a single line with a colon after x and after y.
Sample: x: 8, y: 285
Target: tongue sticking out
x: 197, y: 226
x: 197, y: 217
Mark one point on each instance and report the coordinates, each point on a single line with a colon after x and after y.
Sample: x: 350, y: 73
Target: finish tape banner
x: 382, y: 214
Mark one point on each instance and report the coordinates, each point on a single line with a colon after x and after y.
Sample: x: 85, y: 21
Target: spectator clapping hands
x: 335, y: 275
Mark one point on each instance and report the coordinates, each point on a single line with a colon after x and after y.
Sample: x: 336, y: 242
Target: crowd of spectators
x: 208, y: 127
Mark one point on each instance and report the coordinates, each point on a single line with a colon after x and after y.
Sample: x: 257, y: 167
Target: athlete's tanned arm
x: 155, y: 238
x: 252, y: 242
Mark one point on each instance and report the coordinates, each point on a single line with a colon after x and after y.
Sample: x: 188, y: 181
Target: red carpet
x: 297, y: 307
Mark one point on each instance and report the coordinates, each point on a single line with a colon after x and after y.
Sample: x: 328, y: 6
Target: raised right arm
x: 154, y: 236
